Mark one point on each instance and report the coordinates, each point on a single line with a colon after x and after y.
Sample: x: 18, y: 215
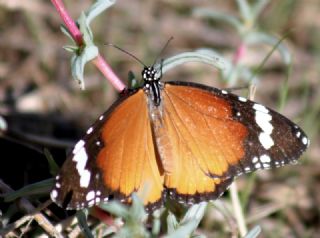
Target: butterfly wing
x: 213, y: 136
x: 116, y: 158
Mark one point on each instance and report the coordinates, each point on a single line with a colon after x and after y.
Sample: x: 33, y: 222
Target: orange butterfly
x: 180, y: 140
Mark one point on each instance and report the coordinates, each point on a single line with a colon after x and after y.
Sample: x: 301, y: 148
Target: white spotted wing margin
x: 79, y: 183
x: 272, y: 140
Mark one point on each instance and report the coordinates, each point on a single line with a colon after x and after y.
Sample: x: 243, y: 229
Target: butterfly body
x: 178, y: 140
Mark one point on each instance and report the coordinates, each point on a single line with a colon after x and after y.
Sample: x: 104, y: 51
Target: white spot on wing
x: 266, y: 140
x: 265, y: 159
x: 257, y: 166
x: 263, y: 119
x: 78, y: 146
x: 266, y: 166
x: 90, y: 195
x: 255, y: 160
x: 54, y: 194
x: 85, y: 179
x: 81, y: 158
x: 261, y: 108
x: 242, y: 99
x: 89, y: 130
x: 305, y: 140
x: 224, y: 92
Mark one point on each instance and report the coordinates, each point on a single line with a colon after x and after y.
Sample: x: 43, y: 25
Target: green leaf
x: 115, y: 208
x: 87, y: 51
x: 254, y: 232
x: 156, y: 223
x: 132, y: 81
x: 172, y: 223
x: 67, y: 33
x: 97, y: 8
x: 134, y: 217
x: 245, y: 10
x: 78, y: 62
x: 38, y: 188
x: 137, y: 209
x: 257, y: 7
x: 71, y: 48
x: 231, y: 73
x: 195, y: 213
x: 53, y: 167
x: 85, y: 30
x: 82, y: 219
x: 219, y: 16
x: 195, y: 56
x: 188, y: 224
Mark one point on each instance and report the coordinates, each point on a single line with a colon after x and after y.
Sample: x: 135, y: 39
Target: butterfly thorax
x: 152, y: 85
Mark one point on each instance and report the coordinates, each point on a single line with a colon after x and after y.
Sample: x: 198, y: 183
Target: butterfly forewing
x: 217, y: 135
x: 114, y: 159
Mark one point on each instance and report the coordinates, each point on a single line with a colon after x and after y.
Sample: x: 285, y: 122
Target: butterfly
x: 174, y: 140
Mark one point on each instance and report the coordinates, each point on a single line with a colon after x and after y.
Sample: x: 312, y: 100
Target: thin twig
x: 228, y: 216
x: 264, y: 211
x: 237, y: 209
x: 32, y: 211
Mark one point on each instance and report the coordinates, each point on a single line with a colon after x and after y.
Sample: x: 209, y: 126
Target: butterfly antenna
x: 128, y: 53
x: 162, y: 50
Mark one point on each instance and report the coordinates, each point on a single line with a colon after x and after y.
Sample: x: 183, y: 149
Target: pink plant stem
x: 106, y: 70
x: 68, y: 21
x: 99, y: 62
x: 240, y: 53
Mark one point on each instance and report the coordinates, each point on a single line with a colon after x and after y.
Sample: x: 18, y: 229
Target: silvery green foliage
x: 82, y: 220
x: 88, y: 51
x: 193, y: 56
x: 188, y: 224
x: 245, y: 25
x: 134, y: 217
x: 254, y: 232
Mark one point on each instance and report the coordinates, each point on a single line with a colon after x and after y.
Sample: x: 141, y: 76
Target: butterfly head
x: 152, y: 85
x: 149, y: 74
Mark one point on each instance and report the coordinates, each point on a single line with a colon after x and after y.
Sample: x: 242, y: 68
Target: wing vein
x: 182, y: 138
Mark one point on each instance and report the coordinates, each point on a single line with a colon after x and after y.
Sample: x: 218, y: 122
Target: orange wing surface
x: 122, y: 160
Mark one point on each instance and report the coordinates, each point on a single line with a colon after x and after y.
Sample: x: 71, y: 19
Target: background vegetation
x: 42, y: 104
